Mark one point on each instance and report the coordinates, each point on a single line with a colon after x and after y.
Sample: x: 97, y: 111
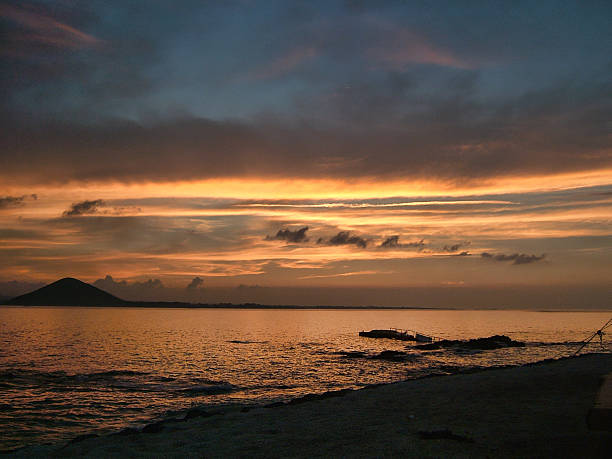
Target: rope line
x: 597, y: 333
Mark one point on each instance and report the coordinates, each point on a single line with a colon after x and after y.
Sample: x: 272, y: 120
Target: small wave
x: 21, y: 374
x: 350, y: 354
x: 237, y: 341
x: 209, y: 382
x: 209, y: 389
x: 273, y: 386
x: 112, y: 373
x: 548, y: 344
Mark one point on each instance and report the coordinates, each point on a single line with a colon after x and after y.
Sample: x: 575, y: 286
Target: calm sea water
x: 69, y: 371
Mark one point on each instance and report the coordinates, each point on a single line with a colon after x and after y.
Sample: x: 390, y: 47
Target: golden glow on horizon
x: 218, y: 229
x: 296, y: 189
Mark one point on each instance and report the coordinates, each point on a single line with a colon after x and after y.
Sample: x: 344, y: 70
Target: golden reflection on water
x: 65, y: 371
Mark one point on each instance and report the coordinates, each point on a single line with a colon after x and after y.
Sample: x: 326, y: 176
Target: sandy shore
x: 532, y: 411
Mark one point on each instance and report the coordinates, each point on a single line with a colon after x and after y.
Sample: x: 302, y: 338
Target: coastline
x: 532, y: 410
x: 266, y: 307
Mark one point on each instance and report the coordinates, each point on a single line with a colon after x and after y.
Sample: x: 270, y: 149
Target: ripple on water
x: 100, y: 370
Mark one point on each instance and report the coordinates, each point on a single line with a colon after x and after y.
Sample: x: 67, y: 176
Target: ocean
x: 67, y: 371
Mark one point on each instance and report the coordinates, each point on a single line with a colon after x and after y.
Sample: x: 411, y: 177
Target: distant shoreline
x: 179, y: 305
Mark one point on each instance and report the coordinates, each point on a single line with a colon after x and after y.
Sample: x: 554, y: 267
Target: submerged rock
x: 492, y: 342
x: 390, y: 355
x: 352, y: 354
x: 393, y: 333
x: 393, y: 356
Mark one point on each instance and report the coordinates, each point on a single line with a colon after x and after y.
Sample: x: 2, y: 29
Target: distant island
x: 68, y: 292
x: 74, y: 292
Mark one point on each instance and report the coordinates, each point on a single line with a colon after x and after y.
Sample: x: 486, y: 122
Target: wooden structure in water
x: 398, y: 334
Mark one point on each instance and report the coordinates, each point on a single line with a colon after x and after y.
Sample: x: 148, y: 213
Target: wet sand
x: 537, y: 410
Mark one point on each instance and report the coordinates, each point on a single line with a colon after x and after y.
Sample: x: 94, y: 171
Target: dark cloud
x: 195, y: 283
x: 345, y: 238
x: 33, y: 30
x: 84, y: 208
x: 516, y: 258
x: 108, y: 283
x: 14, y: 288
x: 392, y: 242
x: 93, y: 208
x: 150, y: 283
x: 123, y: 113
x: 454, y: 247
x: 150, y: 290
x: 15, y: 201
x: 154, y: 235
x: 290, y: 236
x: 470, y: 144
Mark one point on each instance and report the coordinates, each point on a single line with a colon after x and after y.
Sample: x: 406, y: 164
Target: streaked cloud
x: 348, y: 274
x: 36, y: 27
x: 392, y: 242
x: 15, y: 201
x: 401, y: 46
x: 83, y: 208
x: 97, y: 207
x: 516, y: 258
x: 454, y: 247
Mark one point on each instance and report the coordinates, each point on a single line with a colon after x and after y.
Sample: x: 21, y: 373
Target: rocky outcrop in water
x: 481, y: 344
x: 390, y: 355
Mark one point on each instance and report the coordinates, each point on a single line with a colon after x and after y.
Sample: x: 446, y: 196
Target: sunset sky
x: 350, y: 152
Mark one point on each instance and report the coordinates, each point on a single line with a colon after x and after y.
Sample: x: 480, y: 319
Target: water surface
x: 65, y: 371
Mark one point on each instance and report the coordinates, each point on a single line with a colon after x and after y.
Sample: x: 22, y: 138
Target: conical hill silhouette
x: 68, y: 292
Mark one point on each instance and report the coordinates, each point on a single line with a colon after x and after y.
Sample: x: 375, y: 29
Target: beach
x: 536, y: 410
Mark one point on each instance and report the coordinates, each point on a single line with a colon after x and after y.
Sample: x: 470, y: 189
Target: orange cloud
x: 45, y: 30
x: 403, y: 46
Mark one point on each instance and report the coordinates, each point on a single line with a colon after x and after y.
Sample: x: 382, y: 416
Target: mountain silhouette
x: 68, y: 292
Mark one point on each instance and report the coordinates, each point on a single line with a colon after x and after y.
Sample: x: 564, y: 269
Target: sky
x: 432, y: 154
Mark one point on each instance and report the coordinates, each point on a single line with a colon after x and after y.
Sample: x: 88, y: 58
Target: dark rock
x: 492, y: 342
x: 389, y: 334
x: 393, y: 356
